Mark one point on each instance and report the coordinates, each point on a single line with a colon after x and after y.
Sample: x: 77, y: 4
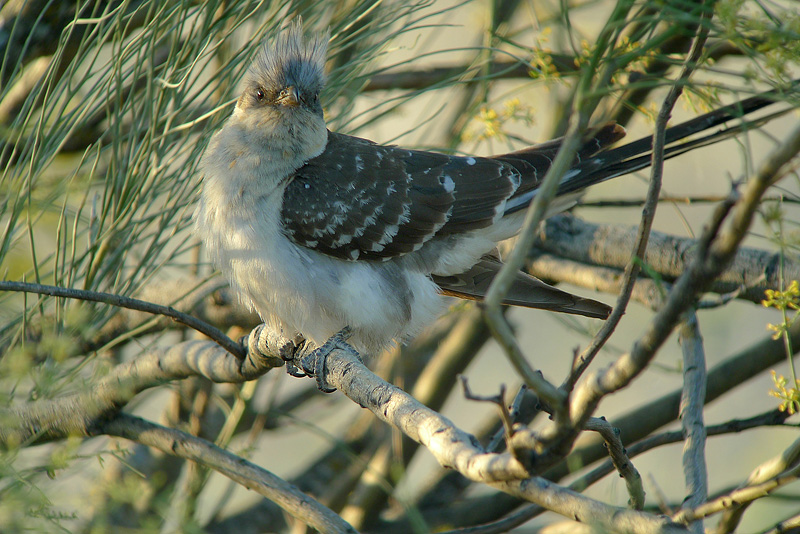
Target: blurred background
x: 105, y: 110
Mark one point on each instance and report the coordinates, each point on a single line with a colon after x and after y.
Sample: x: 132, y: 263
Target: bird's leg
x: 303, y: 358
x: 313, y: 363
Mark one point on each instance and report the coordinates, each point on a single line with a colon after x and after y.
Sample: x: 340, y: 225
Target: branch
x: 525, y: 514
x: 645, y: 419
x: 649, y: 209
x: 556, y: 64
x: 791, y: 524
x: 134, y: 304
x: 184, y: 445
x: 452, y: 447
x: 691, y: 415
x: 751, y: 270
x: 674, y: 199
x: 714, y: 254
x: 771, y: 469
x: 431, y: 387
x: 738, y: 497
x: 549, y: 267
x: 80, y: 413
x: 455, y: 449
x: 620, y: 460
x: 773, y: 417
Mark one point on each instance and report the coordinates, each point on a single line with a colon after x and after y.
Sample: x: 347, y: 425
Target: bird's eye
x: 260, y: 94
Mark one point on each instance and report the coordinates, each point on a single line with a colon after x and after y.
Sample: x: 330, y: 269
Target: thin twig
x: 737, y: 497
x: 649, y: 209
x: 133, y: 304
x: 774, y: 467
x: 498, y: 400
x: 513, y: 413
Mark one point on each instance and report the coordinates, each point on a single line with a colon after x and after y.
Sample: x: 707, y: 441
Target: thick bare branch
x: 458, y: 450
x: 452, y: 447
x: 80, y: 413
x: 575, y: 506
x: 751, y: 270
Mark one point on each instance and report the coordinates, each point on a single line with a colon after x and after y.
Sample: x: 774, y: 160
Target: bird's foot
x: 314, y: 362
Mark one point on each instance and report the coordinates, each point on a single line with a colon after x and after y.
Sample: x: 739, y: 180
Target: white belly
x: 297, y: 290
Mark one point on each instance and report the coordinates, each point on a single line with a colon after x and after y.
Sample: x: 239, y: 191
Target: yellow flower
x: 789, y: 396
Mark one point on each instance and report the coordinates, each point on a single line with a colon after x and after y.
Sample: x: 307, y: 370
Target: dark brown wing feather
x: 361, y: 200
x: 526, y: 291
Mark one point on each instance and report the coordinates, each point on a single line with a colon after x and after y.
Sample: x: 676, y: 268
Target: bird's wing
x: 526, y: 290
x: 361, y: 200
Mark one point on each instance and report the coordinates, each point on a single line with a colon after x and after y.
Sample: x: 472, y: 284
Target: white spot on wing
x: 388, y: 234
x: 404, y: 217
x: 343, y: 239
x: 448, y: 183
x: 470, y: 161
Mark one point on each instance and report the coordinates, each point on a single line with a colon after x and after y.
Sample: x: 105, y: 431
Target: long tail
x: 604, y: 164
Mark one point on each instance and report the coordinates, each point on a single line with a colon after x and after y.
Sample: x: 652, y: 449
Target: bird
x: 323, y: 233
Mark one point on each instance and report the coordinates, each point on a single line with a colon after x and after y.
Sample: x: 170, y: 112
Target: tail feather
x: 595, y: 162
x: 533, y: 162
x: 526, y: 291
x: 604, y: 164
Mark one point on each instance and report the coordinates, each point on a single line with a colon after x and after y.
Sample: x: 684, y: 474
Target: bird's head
x: 282, y: 89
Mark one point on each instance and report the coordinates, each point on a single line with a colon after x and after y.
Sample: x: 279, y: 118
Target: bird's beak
x: 289, y: 97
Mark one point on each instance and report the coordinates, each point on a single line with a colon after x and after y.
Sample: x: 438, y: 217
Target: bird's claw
x: 314, y: 363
